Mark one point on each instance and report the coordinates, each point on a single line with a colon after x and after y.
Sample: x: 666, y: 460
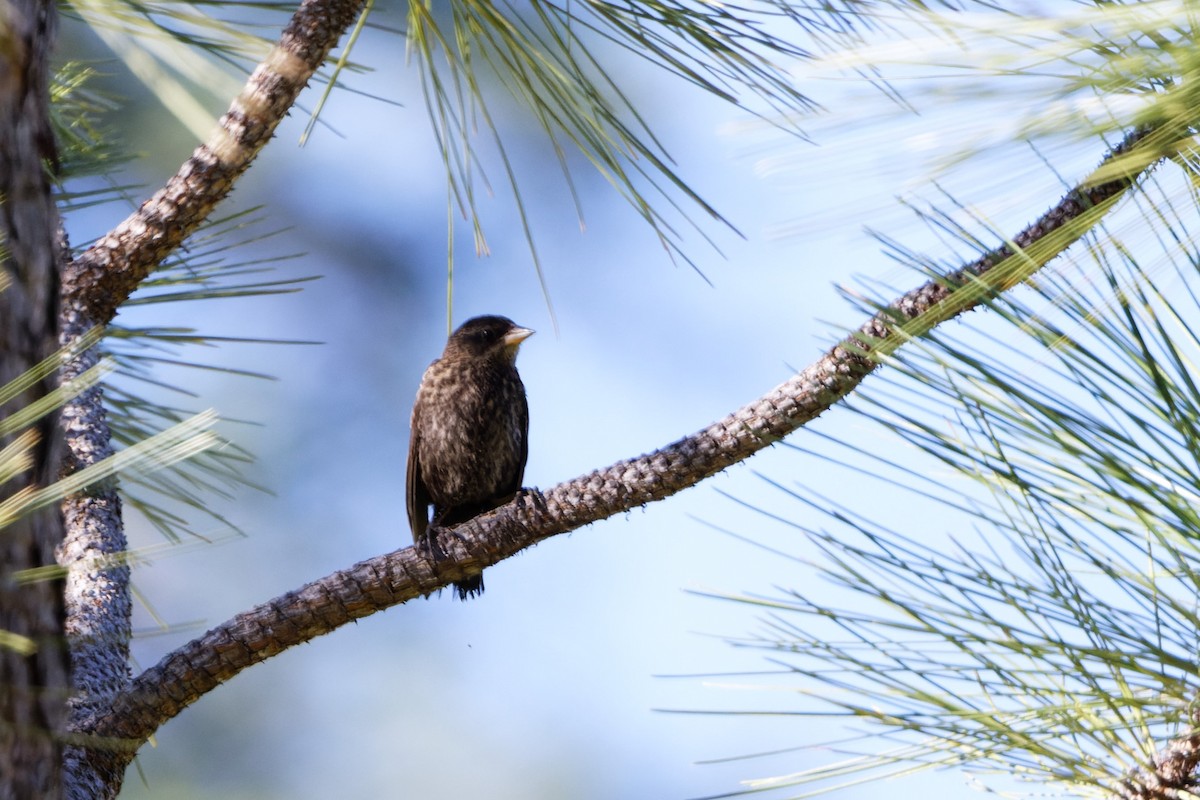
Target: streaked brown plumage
x: 470, y: 430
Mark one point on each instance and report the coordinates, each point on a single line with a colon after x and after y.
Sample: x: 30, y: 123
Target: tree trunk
x: 34, y: 671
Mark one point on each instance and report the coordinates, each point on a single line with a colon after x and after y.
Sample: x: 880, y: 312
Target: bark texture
x: 1171, y: 773
x: 34, y: 680
x: 96, y: 592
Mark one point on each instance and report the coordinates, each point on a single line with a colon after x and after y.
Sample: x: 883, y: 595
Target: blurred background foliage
x: 983, y: 562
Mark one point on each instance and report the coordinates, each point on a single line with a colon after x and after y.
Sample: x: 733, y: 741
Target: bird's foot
x: 428, y: 545
x: 530, y: 497
x: 436, y: 531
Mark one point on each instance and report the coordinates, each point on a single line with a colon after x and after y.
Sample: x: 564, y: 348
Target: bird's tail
x: 472, y: 587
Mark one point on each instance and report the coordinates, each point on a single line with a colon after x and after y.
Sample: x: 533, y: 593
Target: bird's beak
x: 513, y: 338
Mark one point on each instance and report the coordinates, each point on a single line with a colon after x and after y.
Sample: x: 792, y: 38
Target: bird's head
x: 488, y: 337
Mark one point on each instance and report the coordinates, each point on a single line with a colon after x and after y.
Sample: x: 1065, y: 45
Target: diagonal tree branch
x: 185, y: 675
x: 105, y: 274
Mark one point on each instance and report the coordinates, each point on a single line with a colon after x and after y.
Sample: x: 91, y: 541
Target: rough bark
x: 1171, y: 773
x: 33, y: 683
x: 185, y: 675
x: 96, y: 592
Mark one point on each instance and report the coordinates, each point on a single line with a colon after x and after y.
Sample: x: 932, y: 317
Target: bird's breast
x: 472, y: 434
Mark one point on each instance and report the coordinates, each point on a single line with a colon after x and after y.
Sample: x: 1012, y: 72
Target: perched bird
x: 470, y: 431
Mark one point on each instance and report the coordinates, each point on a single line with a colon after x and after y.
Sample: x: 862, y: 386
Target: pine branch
x: 104, y: 275
x: 185, y: 675
x: 1171, y: 774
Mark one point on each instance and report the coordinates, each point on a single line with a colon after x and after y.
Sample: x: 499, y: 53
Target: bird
x: 469, y: 432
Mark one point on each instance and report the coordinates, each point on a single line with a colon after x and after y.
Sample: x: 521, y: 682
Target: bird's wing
x: 523, y: 413
x: 418, y: 495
